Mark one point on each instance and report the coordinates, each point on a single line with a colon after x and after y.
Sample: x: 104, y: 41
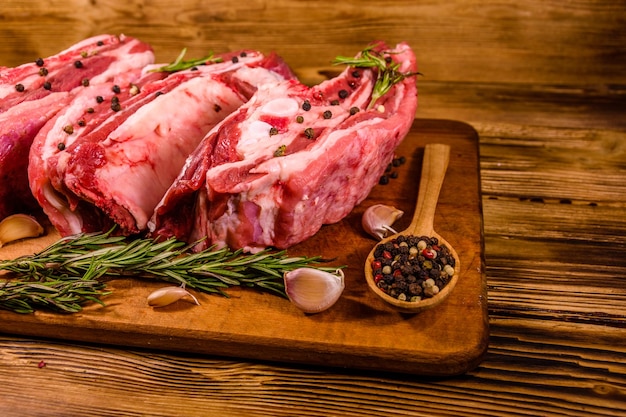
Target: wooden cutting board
x: 360, y: 331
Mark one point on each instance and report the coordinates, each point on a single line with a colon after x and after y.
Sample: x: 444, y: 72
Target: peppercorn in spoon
x: 416, y: 269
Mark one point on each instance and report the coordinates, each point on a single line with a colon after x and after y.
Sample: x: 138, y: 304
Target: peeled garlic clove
x: 313, y: 290
x: 377, y: 220
x: 18, y: 226
x: 168, y: 295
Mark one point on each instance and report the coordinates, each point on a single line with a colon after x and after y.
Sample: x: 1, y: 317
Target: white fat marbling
x: 281, y: 107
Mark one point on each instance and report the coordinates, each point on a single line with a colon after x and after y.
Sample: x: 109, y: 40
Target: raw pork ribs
x: 289, y: 160
x: 109, y: 156
x: 32, y: 93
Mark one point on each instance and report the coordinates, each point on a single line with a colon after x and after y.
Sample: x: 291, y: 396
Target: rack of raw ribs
x: 232, y: 151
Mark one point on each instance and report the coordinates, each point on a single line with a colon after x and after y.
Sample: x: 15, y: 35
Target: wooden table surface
x: 553, y: 178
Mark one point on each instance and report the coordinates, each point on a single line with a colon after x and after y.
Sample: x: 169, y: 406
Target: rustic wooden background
x: 544, y: 84
x: 535, y: 41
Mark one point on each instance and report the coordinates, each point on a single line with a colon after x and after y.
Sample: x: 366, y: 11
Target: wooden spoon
x: 436, y: 157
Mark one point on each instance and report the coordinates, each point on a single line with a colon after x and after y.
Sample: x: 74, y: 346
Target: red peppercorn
x: 378, y: 277
x: 376, y: 265
x: 397, y: 273
x: 387, y: 254
x: 429, y: 253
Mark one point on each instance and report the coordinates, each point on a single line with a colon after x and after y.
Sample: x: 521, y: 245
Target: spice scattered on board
x: 390, y: 172
x: 411, y: 268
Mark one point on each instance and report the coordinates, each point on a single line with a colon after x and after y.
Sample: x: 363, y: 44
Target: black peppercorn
x: 280, y: 151
x: 78, y: 64
x: 234, y: 60
x: 39, y: 62
x: 308, y: 132
x: 343, y: 94
x: 306, y: 106
x: 116, y: 89
x: 47, y: 85
x: 20, y: 88
x: 99, y: 99
x: 327, y: 114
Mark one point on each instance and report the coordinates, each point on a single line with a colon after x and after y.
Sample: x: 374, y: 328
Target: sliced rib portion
x: 32, y: 93
x: 109, y: 156
x: 290, y: 160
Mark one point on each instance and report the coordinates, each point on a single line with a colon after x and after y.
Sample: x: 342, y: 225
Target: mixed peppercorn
x: 411, y: 268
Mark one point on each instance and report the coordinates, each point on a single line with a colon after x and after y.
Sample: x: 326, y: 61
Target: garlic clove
x: 168, y: 295
x: 377, y: 220
x: 18, y: 226
x: 313, y: 290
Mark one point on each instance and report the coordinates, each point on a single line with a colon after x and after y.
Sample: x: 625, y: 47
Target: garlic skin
x: 312, y: 290
x: 168, y: 295
x: 18, y: 226
x: 377, y: 220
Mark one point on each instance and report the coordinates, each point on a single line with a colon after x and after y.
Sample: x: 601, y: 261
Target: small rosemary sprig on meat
x: 179, y: 64
x: 72, y: 271
x: 388, y: 70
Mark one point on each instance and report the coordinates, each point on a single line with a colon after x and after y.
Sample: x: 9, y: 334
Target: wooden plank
x: 360, y: 331
x: 538, y: 41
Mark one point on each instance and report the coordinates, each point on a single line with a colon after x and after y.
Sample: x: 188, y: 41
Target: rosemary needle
x: 179, y: 64
x: 72, y: 271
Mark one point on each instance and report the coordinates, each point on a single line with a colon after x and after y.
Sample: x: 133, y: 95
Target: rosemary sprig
x: 179, y: 64
x: 388, y: 73
x: 72, y: 271
x: 67, y: 295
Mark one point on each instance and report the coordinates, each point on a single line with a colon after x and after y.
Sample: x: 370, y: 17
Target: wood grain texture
x: 544, y: 84
x: 538, y: 41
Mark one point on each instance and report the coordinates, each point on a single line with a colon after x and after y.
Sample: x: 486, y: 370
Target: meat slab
x: 32, y: 93
x: 109, y: 156
x: 290, y: 160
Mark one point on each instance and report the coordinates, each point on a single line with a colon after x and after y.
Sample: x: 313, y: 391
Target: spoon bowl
x: 436, y: 158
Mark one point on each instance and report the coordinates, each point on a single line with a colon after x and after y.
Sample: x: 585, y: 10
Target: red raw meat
x: 290, y: 160
x: 32, y: 93
x: 118, y: 159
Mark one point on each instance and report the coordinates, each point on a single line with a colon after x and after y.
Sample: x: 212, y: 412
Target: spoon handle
x: 434, y: 166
